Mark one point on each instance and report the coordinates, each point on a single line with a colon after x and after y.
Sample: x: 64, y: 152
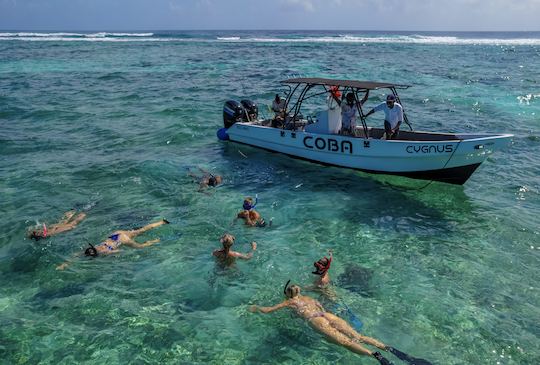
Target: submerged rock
x: 356, y: 279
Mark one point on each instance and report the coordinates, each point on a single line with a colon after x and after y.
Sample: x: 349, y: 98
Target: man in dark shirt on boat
x: 393, y: 116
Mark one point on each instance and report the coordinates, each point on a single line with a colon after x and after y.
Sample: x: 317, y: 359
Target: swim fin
x: 382, y: 360
x: 411, y: 360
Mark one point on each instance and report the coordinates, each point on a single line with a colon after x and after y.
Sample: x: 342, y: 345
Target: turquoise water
x: 112, y: 123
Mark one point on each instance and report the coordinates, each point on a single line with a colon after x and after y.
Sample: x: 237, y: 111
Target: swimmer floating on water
x: 227, y: 240
x: 67, y: 223
x: 250, y: 215
x: 334, y: 328
x: 118, y: 238
x: 208, y: 179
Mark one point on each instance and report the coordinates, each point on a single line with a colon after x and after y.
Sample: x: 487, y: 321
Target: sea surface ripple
x: 112, y: 123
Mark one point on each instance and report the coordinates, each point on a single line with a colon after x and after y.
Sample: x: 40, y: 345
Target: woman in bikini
x: 334, y: 328
x: 118, y: 238
x: 69, y: 221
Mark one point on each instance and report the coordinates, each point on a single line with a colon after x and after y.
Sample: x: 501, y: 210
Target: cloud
x: 305, y: 5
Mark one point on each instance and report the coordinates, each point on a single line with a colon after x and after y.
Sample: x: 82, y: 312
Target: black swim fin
x: 382, y: 360
x: 411, y: 360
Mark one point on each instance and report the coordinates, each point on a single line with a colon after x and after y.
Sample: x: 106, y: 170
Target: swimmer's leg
x: 67, y: 216
x: 333, y: 335
x: 78, y: 219
x: 346, y: 329
x: 136, y: 232
x: 134, y: 244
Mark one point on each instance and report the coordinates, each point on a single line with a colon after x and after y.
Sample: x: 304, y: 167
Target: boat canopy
x: 365, y: 85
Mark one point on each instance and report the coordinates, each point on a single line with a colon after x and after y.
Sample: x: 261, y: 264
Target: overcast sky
x: 459, y: 15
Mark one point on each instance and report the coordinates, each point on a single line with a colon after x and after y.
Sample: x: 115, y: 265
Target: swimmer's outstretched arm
x: 63, y: 266
x: 68, y: 262
x: 255, y: 308
x: 245, y: 256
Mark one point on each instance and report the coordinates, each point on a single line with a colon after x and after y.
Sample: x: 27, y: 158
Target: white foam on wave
x: 19, y: 35
x: 443, y: 40
x: 343, y: 38
x: 61, y: 39
x: 105, y: 34
x: 228, y: 38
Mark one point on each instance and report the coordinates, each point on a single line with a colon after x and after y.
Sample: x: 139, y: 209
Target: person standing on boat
x: 393, y: 116
x: 349, y: 110
x: 278, y: 107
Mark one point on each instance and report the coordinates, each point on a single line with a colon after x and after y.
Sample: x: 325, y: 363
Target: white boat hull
x: 450, y: 160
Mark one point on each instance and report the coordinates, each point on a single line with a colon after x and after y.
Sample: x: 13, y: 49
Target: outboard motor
x: 233, y: 112
x: 252, y: 110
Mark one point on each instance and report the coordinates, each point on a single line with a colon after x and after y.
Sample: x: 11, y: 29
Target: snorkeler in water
x: 118, y: 238
x: 69, y: 221
x: 227, y: 240
x: 249, y: 214
x: 334, y: 328
x: 322, y: 280
x: 321, y: 270
x: 207, y: 179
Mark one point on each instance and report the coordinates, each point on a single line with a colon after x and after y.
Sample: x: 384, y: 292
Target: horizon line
x: 263, y: 30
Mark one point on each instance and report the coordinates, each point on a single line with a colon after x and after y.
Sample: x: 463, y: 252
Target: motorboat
x: 445, y: 157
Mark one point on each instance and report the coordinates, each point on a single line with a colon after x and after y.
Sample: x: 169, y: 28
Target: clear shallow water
x: 114, y: 123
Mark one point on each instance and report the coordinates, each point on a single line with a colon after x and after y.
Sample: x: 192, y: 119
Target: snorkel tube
x: 247, y: 203
x: 286, y: 286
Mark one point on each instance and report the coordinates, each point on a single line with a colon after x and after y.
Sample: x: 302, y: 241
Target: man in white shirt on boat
x: 349, y: 110
x: 393, y: 116
x: 278, y: 107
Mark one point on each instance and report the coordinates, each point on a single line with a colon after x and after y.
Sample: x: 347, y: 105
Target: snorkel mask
x: 36, y: 236
x: 248, y: 203
x: 91, y: 251
x: 322, y: 266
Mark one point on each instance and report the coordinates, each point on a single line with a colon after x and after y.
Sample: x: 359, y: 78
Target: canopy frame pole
x: 405, y: 119
x: 289, y: 95
x: 298, y: 104
x: 361, y: 113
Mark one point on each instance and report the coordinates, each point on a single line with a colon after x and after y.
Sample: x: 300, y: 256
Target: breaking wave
x: 401, y: 39
x: 512, y: 40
